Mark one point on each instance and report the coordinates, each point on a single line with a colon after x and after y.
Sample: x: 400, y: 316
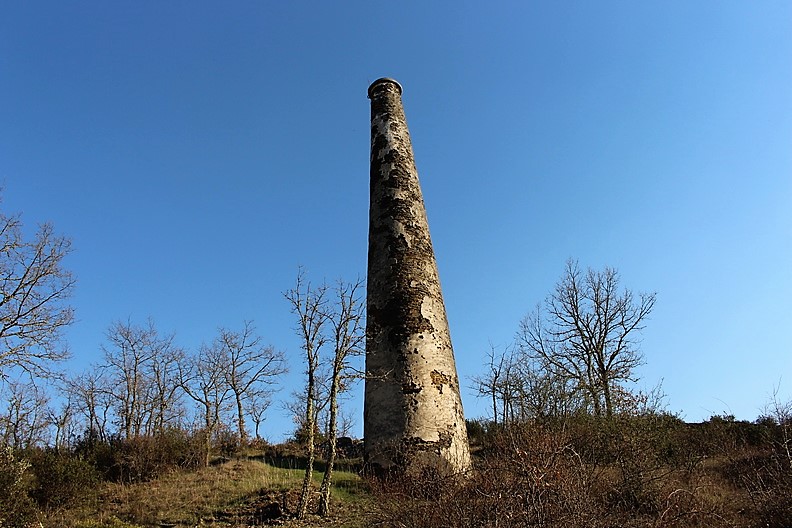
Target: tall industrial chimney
x: 413, y: 417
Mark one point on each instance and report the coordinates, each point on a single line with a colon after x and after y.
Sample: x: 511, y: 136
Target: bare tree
x: 295, y: 406
x: 257, y: 406
x: 541, y: 393
x: 252, y: 370
x: 25, y: 419
x: 517, y: 390
x: 491, y: 384
x: 202, y: 378
x: 309, y: 304
x: 345, y: 318
x: 141, y: 365
x: 164, y: 396
x: 346, y: 423
x: 63, y: 423
x: 34, y: 287
x: 93, y: 398
x: 586, y: 333
x: 127, y: 357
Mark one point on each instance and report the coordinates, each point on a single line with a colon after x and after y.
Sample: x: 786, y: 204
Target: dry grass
x: 235, y: 493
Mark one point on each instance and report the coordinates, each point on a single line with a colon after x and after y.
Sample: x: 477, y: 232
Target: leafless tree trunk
x: 33, y: 290
x: 348, y: 334
x: 309, y: 305
x: 586, y: 333
x: 252, y: 370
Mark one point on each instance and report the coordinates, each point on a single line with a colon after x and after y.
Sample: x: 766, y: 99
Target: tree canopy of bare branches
x: 93, y: 399
x: 586, y: 332
x: 25, y: 418
x: 251, y: 368
x: 34, y: 287
x: 202, y: 379
x: 142, y: 367
x: 519, y: 389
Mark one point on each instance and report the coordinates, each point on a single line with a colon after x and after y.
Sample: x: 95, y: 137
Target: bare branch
x: 34, y: 288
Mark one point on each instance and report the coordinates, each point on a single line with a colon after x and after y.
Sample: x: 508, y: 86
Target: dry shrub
x: 528, y: 477
x: 590, y: 474
x: 771, y: 487
x: 767, y: 477
x: 771, y: 494
x: 144, y: 458
x: 689, y: 508
x: 548, y: 478
x: 756, y: 459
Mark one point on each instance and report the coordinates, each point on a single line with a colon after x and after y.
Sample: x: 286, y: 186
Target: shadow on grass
x: 295, y: 462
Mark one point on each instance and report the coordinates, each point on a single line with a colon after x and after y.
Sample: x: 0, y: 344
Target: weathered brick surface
x: 413, y: 416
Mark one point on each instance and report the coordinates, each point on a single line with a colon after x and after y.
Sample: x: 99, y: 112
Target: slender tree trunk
x: 494, y: 406
x: 207, y: 436
x: 606, y: 394
x: 257, y: 423
x: 240, y: 419
x: 327, y: 480
x: 310, y: 422
x: 161, y: 418
x: 593, y: 389
x: 93, y: 420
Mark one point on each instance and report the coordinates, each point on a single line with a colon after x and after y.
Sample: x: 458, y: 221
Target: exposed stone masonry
x: 413, y: 416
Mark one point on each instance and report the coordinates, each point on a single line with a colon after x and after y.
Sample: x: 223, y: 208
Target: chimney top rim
x: 383, y: 80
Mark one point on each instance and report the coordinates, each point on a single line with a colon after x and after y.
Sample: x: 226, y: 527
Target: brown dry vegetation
x: 648, y: 471
x: 645, y: 471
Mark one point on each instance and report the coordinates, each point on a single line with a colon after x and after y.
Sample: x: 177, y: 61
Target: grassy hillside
x: 240, y: 492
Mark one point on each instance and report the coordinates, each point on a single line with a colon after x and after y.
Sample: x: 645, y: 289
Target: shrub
x: 227, y: 442
x: 60, y: 478
x: 476, y: 431
x: 143, y: 458
x: 258, y: 444
x: 767, y: 476
x: 16, y: 507
x: 300, y: 435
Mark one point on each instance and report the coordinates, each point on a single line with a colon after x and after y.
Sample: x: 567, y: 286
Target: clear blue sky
x: 197, y: 153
